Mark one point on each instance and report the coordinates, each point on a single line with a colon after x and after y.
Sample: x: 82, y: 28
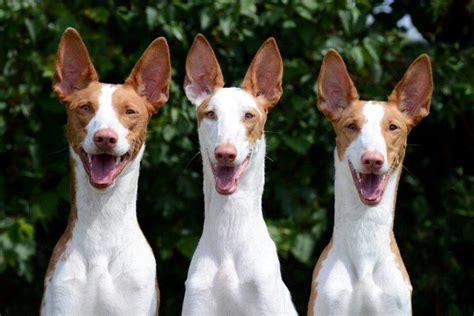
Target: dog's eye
x: 392, y: 127
x: 352, y: 127
x: 86, y: 108
x: 249, y: 116
x: 211, y: 115
x: 130, y: 112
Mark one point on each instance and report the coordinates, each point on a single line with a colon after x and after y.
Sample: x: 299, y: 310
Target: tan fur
x: 398, y: 258
x: 60, y: 246
x: 77, y: 119
x: 314, y: 283
x: 123, y: 99
x: 396, y: 140
x: 202, y: 109
x: 344, y: 135
x: 255, y: 126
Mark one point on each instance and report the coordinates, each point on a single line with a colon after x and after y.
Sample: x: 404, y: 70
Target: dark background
x: 435, y: 207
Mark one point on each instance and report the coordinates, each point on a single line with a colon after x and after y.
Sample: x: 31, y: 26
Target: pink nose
x: 105, y: 138
x: 372, y: 160
x: 225, y: 153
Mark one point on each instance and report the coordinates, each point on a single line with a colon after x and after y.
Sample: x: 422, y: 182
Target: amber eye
x: 130, y: 112
x: 392, y: 127
x: 211, y: 115
x: 352, y: 127
x: 86, y: 108
x: 249, y: 116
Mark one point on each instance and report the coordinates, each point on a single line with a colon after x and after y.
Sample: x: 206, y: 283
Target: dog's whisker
x: 272, y: 132
x: 192, y: 159
x: 59, y: 151
x: 406, y: 169
x: 269, y: 158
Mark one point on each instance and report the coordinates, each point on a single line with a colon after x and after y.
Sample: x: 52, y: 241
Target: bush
x: 435, y: 207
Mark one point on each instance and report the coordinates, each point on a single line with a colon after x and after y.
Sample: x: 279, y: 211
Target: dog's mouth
x: 370, y: 186
x: 227, y: 177
x: 103, y: 168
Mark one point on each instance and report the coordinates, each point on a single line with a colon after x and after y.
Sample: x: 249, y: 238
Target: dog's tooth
x: 117, y: 160
x: 89, y: 157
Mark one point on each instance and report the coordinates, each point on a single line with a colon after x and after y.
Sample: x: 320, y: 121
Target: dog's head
x: 231, y: 120
x: 107, y: 123
x: 372, y: 135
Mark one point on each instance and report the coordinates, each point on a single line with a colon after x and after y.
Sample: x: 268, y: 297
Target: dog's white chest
x: 246, y: 282
x: 119, y: 282
x: 365, y: 287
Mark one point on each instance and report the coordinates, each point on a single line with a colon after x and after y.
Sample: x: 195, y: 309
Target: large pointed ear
x: 264, y: 76
x: 203, y: 73
x: 152, y: 74
x: 336, y: 91
x: 413, y: 92
x: 74, y: 69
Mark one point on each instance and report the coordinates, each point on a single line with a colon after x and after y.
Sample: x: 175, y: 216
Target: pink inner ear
x: 151, y: 75
x: 413, y: 92
x: 268, y: 78
x: 264, y: 76
x: 74, y: 70
x: 336, y: 90
x: 203, y: 73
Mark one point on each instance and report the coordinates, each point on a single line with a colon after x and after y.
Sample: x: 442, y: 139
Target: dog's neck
x: 235, y: 217
x: 107, y: 215
x: 360, y: 230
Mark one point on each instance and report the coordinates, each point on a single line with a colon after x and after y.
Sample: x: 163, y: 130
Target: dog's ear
x: 203, y: 73
x: 265, y: 74
x: 413, y: 93
x: 336, y: 91
x: 152, y: 74
x: 74, y: 68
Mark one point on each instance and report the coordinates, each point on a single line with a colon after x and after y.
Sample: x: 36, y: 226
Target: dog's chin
x: 103, y: 169
x: 227, y: 176
x: 370, y: 186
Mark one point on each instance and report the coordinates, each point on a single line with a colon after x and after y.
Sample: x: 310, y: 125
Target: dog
x: 361, y: 271
x: 235, y: 269
x: 102, y: 264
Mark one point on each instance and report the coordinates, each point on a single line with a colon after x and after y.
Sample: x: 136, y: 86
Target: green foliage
x: 435, y: 207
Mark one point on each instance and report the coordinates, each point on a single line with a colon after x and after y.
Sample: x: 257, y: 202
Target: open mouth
x: 370, y: 186
x: 227, y: 177
x: 103, y: 169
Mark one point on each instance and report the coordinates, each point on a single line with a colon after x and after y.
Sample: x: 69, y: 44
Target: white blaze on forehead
x: 371, y: 133
x: 235, y: 98
x: 370, y: 137
x: 106, y: 117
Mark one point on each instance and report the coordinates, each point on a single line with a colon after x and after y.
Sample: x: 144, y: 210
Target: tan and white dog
x: 103, y: 265
x: 361, y: 271
x: 235, y: 269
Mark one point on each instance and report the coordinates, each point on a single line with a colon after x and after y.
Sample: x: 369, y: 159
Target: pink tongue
x: 102, y: 169
x: 225, y: 177
x: 371, y: 186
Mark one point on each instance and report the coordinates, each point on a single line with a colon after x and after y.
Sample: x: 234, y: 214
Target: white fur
x: 106, y: 117
x: 107, y: 267
x: 370, y: 137
x: 195, y: 95
x: 359, y: 275
x: 235, y: 268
